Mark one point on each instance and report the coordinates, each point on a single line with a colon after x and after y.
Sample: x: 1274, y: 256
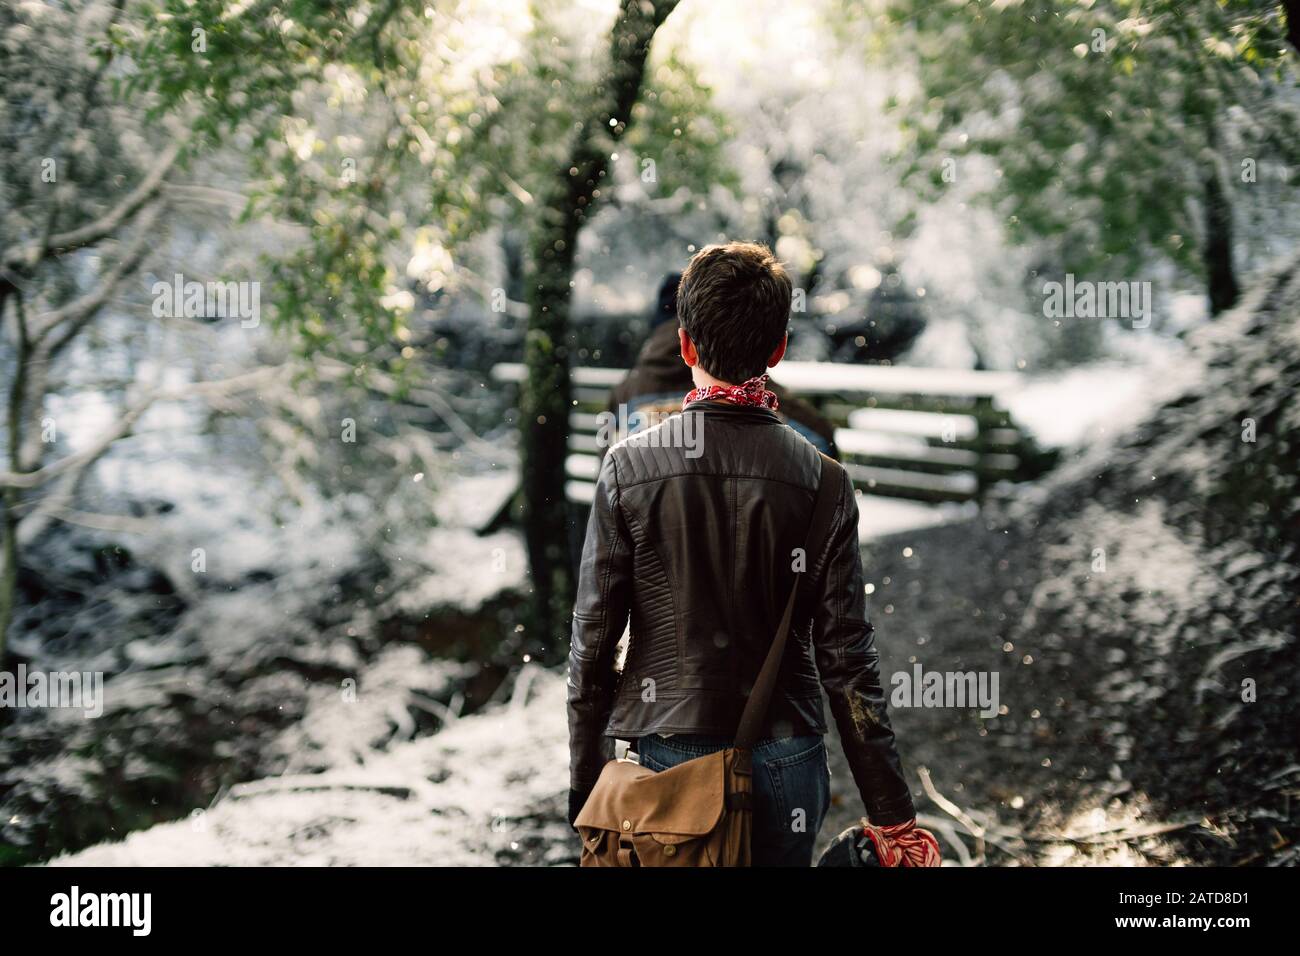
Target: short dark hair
x: 734, y: 303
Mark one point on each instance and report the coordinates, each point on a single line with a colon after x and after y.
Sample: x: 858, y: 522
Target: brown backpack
x: 698, y: 813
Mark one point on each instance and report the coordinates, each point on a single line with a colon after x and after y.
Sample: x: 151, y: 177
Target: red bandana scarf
x: 751, y: 392
x: 904, y: 844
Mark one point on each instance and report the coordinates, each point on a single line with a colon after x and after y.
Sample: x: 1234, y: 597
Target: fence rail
x: 922, y: 433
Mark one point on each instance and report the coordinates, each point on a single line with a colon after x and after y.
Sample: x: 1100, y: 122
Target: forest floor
x: 1048, y: 782
x: 489, y: 789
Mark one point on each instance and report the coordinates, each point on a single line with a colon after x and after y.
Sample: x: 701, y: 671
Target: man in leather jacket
x: 693, y: 541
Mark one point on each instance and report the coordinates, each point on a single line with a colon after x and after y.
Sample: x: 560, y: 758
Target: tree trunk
x: 8, y: 568
x: 545, y: 399
x: 1220, y: 275
x: 14, y: 425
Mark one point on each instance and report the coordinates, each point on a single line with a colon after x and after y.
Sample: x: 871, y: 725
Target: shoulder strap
x: 751, y: 721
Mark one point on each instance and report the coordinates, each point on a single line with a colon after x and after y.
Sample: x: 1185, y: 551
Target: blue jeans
x: 792, y: 789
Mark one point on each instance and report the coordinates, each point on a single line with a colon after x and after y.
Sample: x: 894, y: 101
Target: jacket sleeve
x: 599, y: 616
x: 849, y: 667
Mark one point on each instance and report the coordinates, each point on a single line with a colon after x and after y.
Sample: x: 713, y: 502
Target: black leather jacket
x: 692, y: 534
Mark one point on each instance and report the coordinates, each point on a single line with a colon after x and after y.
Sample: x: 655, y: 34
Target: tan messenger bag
x: 700, y: 812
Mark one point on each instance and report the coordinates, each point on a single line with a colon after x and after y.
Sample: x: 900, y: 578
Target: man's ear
x: 780, y: 351
x: 689, y: 355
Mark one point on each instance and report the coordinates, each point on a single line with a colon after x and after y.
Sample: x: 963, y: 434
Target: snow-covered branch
x: 77, y: 313
x: 215, y: 390
x: 99, y: 229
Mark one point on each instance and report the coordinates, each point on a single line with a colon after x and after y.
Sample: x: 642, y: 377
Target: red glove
x: 904, y: 844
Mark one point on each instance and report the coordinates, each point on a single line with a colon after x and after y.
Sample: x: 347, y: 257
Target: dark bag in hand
x: 851, y: 848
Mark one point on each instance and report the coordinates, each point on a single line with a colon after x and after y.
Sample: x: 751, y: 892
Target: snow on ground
x: 472, y: 500
x: 481, y: 791
x: 345, y: 723
x: 452, y: 565
x: 880, y: 516
x: 1091, y: 403
x: 268, y: 630
x: 457, y: 568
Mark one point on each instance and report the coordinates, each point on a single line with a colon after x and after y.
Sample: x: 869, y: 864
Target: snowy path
x: 486, y: 790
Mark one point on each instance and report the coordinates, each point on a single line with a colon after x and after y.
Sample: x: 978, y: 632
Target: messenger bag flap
x: 686, y: 800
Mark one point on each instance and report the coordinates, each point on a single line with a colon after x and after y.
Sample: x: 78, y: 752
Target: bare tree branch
x: 114, y: 524
x: 123, y: 427
x: 82, y: 310
x: 93, y: 232
x: 40, y: 513
x: 227, y: 199
x: 387, y: 386
x: 51, y: 332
